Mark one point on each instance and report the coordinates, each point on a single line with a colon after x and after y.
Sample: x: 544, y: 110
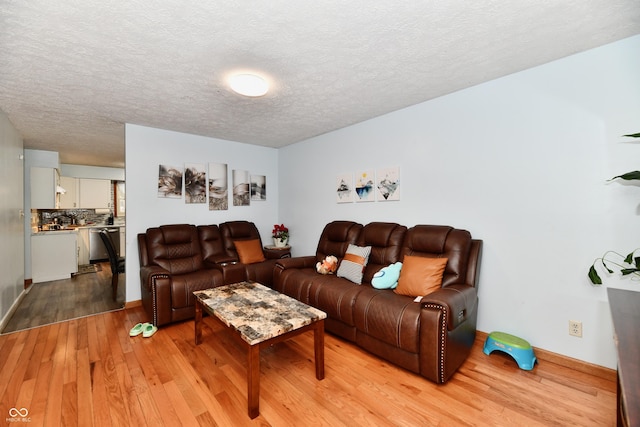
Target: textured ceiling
x: 73, y: 72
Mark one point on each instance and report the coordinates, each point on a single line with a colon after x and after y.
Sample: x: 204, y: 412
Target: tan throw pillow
x: 249, y: 251
x: 420, y: 276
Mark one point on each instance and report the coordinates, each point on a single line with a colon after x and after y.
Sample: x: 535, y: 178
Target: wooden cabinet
x: 85, y: 193
x: 123, y: 244
x: 69, y: 200
x: 44, y: 182
x: 625, y: 312
x: 83, y: 246
x: 53, y: 255
x: 94, y: 193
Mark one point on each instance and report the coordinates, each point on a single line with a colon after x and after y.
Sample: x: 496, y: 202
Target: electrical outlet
x: 575, y: 328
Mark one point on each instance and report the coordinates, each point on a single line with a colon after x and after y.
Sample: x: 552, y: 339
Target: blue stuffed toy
x: 387, y: 277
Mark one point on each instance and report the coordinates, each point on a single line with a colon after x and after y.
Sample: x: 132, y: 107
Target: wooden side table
x: 625, y: 312
x: 278, y: 251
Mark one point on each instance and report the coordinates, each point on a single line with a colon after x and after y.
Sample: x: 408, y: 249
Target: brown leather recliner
x: 261, y: 272
x: 176, y: 260
x: 171, y: 269
x: 432, y: 337
x: 293, y: 276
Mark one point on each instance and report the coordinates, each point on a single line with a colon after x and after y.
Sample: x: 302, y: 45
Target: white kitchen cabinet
x: 83, y: 246
x: 53, y: 255
x: 95, y: 193
x: 44, y: 182
x: 69, y: 200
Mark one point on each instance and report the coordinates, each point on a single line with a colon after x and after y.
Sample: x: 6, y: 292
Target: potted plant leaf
x: 613, y: 261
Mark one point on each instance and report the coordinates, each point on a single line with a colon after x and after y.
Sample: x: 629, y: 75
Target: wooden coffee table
x: 259, y: 316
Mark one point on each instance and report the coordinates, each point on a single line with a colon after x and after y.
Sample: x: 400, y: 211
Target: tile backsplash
x: 69, y: 216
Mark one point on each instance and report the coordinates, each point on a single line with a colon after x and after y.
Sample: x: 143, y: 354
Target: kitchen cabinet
x: 69, y: 200
x: 94, y: 193
x: 44, y: 182
x: 123, y: 244
x: 53, y: 255
x: 83, y: 246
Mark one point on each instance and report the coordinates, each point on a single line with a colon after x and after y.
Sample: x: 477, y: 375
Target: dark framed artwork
x: 218, y: 187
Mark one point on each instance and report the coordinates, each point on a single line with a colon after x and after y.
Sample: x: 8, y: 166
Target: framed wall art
x: 388, y: 184
x: 195, y: 183
x: 218, y: 187
x: 170, y: 182
x: 344, y: 188
x: 241, y: 194
x: 365, y: 181
x: 258, y: 187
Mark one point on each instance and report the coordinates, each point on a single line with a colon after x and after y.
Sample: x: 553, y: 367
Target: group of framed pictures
x: 201, y: 187
x: 368, y: 186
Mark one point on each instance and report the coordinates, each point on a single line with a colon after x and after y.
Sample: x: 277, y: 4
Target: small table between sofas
x: 259, y: 317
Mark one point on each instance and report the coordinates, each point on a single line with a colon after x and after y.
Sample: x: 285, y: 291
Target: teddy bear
x: 328, y: 266
x: 387, y: 277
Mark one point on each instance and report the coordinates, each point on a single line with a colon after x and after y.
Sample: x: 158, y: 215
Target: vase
x: 280, y: 243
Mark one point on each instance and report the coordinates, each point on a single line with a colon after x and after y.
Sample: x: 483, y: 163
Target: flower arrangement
x: 280, y: 232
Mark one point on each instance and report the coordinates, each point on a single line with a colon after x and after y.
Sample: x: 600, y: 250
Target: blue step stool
x: 516, y: 347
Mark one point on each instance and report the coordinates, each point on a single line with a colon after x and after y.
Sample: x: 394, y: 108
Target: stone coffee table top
x: 256, y: 311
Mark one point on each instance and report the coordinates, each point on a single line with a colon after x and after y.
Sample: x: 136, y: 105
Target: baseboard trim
x: 133, y: 304
x: 7, y: 317
x: 565, y: 361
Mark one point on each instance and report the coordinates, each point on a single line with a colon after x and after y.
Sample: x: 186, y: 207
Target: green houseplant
x: 613, y: 261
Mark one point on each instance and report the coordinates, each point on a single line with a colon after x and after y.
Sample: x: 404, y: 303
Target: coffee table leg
x: 198, y: 322
x: 253, y: 381
x: 318, y: 347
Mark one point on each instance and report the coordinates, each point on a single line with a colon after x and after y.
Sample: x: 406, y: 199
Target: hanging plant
x: 629, y: 265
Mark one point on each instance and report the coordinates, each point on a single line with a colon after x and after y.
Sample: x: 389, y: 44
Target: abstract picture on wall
x: 365, y: 181
x: 388, y: 184
x: 344, y: 188
x: 218, y: 187
x: 195, y: 183
x: 258, y: 187
x: 241, y: 194
x: 170, y: 182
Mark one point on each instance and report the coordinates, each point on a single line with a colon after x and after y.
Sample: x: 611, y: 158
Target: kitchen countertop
x: 75, y: 228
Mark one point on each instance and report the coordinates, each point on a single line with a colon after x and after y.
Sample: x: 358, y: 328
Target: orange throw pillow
x: 249, y: 251
x: 420, y: 276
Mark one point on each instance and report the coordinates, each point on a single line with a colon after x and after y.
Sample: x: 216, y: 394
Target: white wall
x: 521, y: 162
x: 147, y: 148
x: 11, y: 222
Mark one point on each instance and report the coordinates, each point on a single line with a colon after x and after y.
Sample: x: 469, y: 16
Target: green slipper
x: 137, y: 329
x: 149, y: 330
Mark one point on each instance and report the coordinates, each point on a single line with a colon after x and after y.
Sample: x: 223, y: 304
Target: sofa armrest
x: 459, y: 300
x: 156, y: 293
x: 297, y: 262
x: 272, y: 253
x: 149, y: 272
x: 232, y: 272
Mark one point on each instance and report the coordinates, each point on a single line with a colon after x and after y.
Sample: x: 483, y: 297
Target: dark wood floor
x: 59, y: 300
x: 89, y: 372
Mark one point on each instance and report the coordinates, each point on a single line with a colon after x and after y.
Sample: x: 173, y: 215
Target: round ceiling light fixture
x: 248, y: 84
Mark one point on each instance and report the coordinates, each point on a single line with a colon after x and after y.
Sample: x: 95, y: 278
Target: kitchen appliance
x: 97, y: 250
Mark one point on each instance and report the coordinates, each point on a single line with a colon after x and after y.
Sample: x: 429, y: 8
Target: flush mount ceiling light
x: 248, y: 84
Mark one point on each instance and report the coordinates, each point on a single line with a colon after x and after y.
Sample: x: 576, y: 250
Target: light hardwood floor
x: 89, y: 372
x: 66, y: 299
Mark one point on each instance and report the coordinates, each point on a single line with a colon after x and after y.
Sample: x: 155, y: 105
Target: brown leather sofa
x: 178, y: 259
x: 432, y: 337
